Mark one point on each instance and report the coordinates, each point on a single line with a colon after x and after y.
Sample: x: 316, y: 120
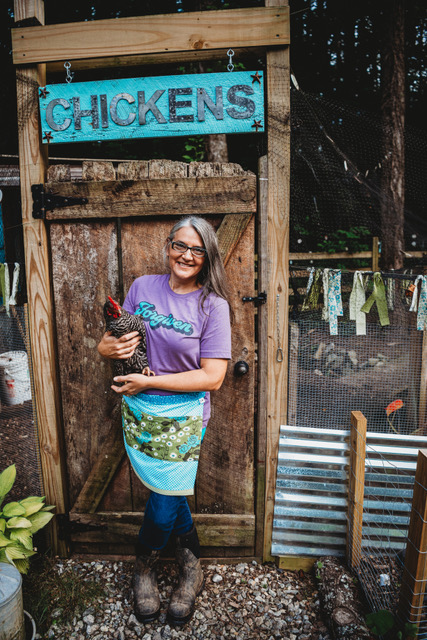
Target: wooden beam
x: 215, y: 530
x: 29, y: 11
x: 414, y: 578
x: 356, y: 488
x: 199, y: 30
x: 278, y: 148
x: 32, y: 164
x: 261, y: 432
x: 124, y: 198
x: 422, y: 405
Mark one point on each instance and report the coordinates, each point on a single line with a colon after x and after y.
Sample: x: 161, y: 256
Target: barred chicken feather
x: 120, y: 322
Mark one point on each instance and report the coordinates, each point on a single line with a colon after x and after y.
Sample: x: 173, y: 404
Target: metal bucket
x: 12, y: 624
x: 15, y: 385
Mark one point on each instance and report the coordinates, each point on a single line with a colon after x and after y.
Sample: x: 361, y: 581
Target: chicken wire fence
x: 386, y: 545
x: 18, y: 427
x: 381, y: 373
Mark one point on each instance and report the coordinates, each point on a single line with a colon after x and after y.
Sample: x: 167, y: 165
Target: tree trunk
x: 393, y: 120
x: 216, y: 147
x: 341, y: 605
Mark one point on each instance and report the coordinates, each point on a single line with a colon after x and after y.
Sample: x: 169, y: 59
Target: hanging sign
x: 153, y: 107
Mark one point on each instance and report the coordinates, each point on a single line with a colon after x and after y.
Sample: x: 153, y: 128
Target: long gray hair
x: 212, y: 277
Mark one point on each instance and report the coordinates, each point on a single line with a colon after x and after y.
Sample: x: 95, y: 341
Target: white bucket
x: 12, y: 625
x: 15, y: 385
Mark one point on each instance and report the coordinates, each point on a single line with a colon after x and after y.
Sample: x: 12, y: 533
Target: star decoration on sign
x: 43, y: 92
x: 257, y: 125
x: 48, y: 136
x: 256, y: 78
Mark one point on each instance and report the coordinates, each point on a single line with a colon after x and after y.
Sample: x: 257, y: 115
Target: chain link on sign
x: 230, y: 65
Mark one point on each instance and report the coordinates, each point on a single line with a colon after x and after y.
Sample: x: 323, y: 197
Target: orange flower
x: 394, y: 406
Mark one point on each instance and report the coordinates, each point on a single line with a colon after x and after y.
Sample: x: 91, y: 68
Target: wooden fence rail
x: 356, y: 487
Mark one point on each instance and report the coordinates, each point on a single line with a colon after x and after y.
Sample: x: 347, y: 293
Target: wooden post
x: 356, y: 488
x: 32, y: 165
x: 278, y: 163
x: 375, y: 253
x: 415, y: 572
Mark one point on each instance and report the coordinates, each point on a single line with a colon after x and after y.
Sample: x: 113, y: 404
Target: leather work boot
x: 145, y: 590
x: 191, y: 580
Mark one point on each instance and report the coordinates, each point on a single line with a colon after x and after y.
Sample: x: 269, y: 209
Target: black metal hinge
x: 43, y: 201
x: 261, y: 298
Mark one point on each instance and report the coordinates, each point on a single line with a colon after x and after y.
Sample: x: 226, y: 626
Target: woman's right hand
x: 118, y: 348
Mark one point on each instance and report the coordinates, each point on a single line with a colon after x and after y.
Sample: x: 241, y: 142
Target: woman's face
x: 184, y: 266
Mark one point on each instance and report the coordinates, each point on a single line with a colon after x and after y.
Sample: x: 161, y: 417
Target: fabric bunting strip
x: 421, y: 304
x: 15, y: 281
x: 378, y: 295
x: 332, y: 299
x: 5, y: 286
x: 314, y: 288
x: 357, y: 300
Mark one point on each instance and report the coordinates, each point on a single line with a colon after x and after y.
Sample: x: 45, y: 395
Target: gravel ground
x: 243, y: 602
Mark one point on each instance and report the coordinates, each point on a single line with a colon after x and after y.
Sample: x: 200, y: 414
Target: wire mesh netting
x: 380, y: 373
x: 18, y: 429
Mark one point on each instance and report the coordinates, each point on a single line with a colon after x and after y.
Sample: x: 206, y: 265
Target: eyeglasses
x: 181, y: 247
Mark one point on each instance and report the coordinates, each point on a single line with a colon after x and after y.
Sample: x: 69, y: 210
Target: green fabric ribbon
x: 378, y: 295
x: 313, y: 291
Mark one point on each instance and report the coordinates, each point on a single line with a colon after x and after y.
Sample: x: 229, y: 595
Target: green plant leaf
x: 18, y: 523
x: 411, y: 630
x: 13, y: 509
x: 380, y: 622
x: 4, y: 541
x: 39, y: 520
x: 7, y: 478
x: 48, y: 507
x: 2, y: 525
x: 23, y: 536
x: 32, y: 505
x: 22, y: 564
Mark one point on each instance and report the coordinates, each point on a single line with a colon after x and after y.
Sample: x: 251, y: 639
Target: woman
x: 187, y: 320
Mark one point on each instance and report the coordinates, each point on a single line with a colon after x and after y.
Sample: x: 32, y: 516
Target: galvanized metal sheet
x: 179, y: 105
x: 310, y: 515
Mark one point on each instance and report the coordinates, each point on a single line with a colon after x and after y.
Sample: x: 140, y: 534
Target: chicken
x: 120, y: 322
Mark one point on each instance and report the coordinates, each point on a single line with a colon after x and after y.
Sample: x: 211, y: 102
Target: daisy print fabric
x: 163, y: 435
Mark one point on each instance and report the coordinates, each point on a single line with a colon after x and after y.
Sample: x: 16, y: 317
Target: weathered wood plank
x: 252, y: 27
x: 182, y: 196
x: 226, y: 470
x: 214, y: 529
x: 262, y: 377
x: 422, y: 406
x: 278, y: 146
x: 32, y: 164
x: 229, y: 233
x: 97, y: 171
x: 102, y: 472
x: 84, y: 270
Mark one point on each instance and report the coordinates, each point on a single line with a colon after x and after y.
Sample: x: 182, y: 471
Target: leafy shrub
x: 18, y: 522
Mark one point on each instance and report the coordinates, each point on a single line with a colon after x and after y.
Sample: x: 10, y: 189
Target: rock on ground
x: 251, y: 601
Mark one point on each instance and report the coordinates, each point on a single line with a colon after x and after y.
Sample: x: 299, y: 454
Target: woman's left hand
x: 133, y: 383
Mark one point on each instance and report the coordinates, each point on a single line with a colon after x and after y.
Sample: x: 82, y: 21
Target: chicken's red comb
x: 114, y: 303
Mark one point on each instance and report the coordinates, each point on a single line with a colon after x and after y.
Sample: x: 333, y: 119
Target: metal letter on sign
x: 190, y: 104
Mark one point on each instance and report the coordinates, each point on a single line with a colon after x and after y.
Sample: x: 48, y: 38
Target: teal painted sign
x: 231, y: 102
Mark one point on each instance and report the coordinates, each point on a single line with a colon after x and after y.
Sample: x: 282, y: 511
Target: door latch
x: 261, y: 298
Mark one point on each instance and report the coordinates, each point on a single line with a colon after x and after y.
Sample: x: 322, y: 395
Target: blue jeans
x: 164, y: 515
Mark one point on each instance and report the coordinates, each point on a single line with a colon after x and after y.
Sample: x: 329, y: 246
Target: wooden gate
x: 98, y: 249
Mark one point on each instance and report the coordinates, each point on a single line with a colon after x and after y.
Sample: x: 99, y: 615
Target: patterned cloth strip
x: 378, y: 296
x: 332, y: 299
x: 357, y: 300
x: 421, y: 304
x: 162, y: 436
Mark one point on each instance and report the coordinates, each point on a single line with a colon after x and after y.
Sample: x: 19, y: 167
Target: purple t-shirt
x: 179, y: 331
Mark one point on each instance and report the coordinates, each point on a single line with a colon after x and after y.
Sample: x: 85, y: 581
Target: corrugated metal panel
x: 310, y: 515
